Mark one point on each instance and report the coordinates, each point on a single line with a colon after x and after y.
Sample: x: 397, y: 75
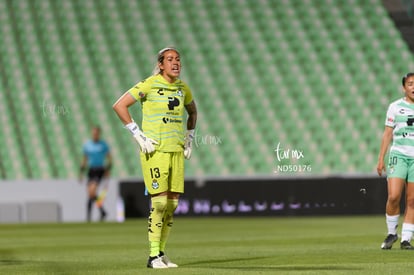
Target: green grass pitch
x: 271, y: 245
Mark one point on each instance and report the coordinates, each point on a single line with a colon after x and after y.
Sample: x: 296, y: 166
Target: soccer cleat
x: 156, y: 263
x: 406, y: 245
x: 389, y: 241
x: 167, y: 261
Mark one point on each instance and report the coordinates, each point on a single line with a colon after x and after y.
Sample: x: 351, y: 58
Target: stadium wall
x: 24, y: 201
x: 268, y: 197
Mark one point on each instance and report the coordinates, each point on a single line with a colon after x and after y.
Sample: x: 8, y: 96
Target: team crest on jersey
x: 155, y: 184
x: 180, y: 93
x: 141, y: 94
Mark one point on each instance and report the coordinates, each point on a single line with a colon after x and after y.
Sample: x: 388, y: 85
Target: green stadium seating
x: 313, y: 76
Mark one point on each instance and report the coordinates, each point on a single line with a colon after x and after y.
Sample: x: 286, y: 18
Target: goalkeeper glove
x: 188, y: 143
x: 145, y: 144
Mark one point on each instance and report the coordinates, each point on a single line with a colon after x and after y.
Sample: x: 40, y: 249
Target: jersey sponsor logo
x: 405, y: 134
x: 173, y: 102
x: 410, y: 120
x: 171, y: 120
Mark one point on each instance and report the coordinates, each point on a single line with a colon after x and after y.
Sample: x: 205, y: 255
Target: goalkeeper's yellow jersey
x: 163, y: 110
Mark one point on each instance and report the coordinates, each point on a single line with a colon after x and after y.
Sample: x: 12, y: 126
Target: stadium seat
x: 261, y: 72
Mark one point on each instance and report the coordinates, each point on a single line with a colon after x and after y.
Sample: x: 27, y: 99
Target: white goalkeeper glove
x: 145, y: 144
x: 188, y: 143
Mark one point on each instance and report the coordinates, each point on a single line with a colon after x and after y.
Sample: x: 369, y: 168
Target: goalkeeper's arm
x: 121, y: 108
x: 145, y: 143
x: 191, y: 124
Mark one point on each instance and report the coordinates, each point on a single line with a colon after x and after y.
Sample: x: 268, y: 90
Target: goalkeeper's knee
x: 171, y: 206
x: 158, y: 204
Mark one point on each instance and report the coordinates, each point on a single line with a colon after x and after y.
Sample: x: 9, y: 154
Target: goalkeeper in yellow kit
x: 163, y: 144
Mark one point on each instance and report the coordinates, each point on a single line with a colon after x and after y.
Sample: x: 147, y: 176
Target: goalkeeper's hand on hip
x: 188, y: 143
x: 146, y: 144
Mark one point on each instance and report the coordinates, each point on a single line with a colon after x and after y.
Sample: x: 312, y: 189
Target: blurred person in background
x: 399, y: 130
x: 97, y: 161
x: 163, y: 144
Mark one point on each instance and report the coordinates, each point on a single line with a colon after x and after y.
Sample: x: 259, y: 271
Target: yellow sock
x: 168, y: 222
x: 155, y: 222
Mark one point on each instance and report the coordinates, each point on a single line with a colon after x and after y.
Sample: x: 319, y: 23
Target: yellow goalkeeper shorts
x: 163, y: 171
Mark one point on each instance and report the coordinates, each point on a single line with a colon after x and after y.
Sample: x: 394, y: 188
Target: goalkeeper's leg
x: 168, y: 221
x: 172, y: 204
x: 155, y: 223
x: 176, y: 187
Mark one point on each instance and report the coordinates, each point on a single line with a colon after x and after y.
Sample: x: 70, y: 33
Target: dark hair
x: 405, y: 78
x: 97, y: 127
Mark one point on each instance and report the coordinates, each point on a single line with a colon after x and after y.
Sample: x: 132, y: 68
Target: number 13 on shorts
x: 163, y: 171
x: 155, y: 173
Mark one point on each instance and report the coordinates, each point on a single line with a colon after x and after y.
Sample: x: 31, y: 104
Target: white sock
x: 407, y: 232
x: 392, y: 223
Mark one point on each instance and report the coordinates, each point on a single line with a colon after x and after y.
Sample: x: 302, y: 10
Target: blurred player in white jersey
x: 399, y: 133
